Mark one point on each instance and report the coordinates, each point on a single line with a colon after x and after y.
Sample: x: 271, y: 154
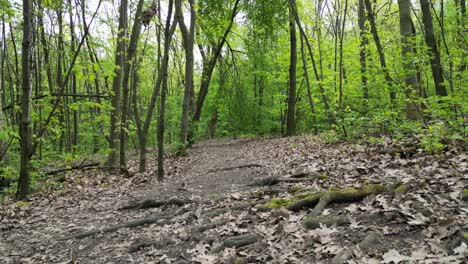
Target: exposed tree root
x: 149, y: 203
x: 142, y: 243
x: 236, y: 241
x: 371, y: 241
x: 244, y: 166
x: 269, y: 181
x: 197, y: 232
x: 347, y: 195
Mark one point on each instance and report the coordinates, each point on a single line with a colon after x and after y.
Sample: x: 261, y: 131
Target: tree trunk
x: 383, y: 62
x: 26, y: 89
x: 436, y: 67
x: 206, y: 75
x: 291, y: 111
x: 131, y: 52
x: 117, y: 83
x: 411, y: 79
x: 362, y: 49
x: 309, y: 90
x: 168, y: 32
x: 188, y: 36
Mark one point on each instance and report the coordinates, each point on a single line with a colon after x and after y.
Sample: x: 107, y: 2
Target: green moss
x: 323, y: 177
x: 277, y: 203
x: 295, y: 189
x: 23, y: 204
x: 401, y: 189
x: 465, y: 194
x: 465, y: 235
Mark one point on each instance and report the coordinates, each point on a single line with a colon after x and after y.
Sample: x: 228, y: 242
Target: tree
x: 291, y: 114
x: 24, y: 180
x: 188, y: 38
x: 434, y: 54
x: 130, y: 60
x: 411, y: 79
x: 117, y: 83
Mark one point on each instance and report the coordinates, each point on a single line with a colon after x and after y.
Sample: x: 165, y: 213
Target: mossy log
x: 465, y: 194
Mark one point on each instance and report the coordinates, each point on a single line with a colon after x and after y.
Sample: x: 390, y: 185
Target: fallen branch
x: 149, y: 203
x: 75, y: 167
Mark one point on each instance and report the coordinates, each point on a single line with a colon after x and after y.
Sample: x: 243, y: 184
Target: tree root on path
x: 244, y: 166
x: 131, y: 224
x: 370, y: 242
x: 197, y: 232
x: 149, y: 203
x: 142, y: 243
x: 236, y: 241
x: 269, y: 181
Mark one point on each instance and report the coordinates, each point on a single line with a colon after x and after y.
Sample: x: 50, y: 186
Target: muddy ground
x: 211, y: 208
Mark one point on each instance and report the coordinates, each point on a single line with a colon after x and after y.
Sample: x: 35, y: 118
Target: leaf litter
x: 224, y: 220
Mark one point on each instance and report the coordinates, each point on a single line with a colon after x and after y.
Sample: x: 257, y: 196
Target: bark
x: 188, y: 36
x: 362, y: 49
x: 168, y: 32
x: 26, y: 89
x: 117, y: 83
x: 436, y: 67
x: 130, y: 58
x: 291, y: 111
x: 411, y: 80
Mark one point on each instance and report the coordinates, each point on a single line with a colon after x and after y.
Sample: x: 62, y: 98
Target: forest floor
x: 211, y: 208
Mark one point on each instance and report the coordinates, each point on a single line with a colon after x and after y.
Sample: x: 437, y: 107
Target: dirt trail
x: 221, y: 218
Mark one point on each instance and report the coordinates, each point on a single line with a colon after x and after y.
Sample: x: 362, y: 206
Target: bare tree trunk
x: 291, y: 111
x: 411, y: 79
x: 168, y: 31
x: 362, y: 49
x: 383, y: 62
x: 117, y: 83
x: 131, y: 52
x: 309, y: 90
x: 436, y: 67
x: 188, y: 36
x: 208, y: 71
x: 26, y: 89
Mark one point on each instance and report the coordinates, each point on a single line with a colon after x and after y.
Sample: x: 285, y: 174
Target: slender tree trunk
x: 117, y: 83
x: 411, y: 79
x: 330, y: 116
x: 188, y: 36
x: 341, y: 37
x: 74, y: 141
x: 291, y: 111
x: 168, y: 31
x: 206, y: 76
x: 436, y: 67
x: 131, y: 52
x: 309, y: 90
x: 362, y: 49
x: 383, y: 62
x: 26, y: 89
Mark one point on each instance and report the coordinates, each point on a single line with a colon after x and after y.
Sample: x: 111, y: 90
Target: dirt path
x: 222, y: 219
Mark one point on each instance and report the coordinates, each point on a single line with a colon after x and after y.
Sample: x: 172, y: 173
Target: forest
x: 170, y: 96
